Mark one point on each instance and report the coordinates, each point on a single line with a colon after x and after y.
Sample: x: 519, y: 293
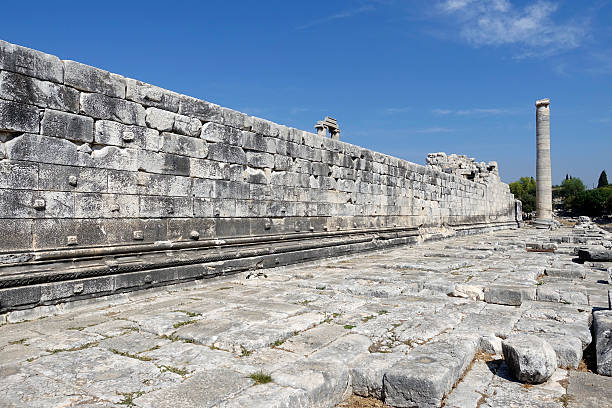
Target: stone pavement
x: 415, y: 326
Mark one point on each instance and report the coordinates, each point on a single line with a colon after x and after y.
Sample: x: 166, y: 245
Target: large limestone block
x: 17, y: 117
x: 151, y: 95
x: 428, y: 372
x: 324, y: 382
x: 602, y: 326
x: 31, y: 91
x: 90, y: 79
x: 105, y: 107
x: 530, y: 359
x: 117, y: 134
x: 595, y: 254
x: 214, y: 132
x: 199, y: 109
x: 183, y: 145
x: 67, y: 126
x: 30, y: 62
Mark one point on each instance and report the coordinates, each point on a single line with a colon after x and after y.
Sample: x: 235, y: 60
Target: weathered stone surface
x: 530, y: 359
x: 367, y: 373
x: 183, y: 145
x: 428, y: 373
x: 214, y: 132
x: 31, y: 91
x: 105, y: 107
x: 270, y: 396
x: 17, y: 117
x: 90, y: 79
x: 509, y: 295
x: 67, y: 126
x: 199, y: 109
x: 30, y: 62
x: 596, y: 255
x: 588, y: 390
x: 151, y: 95
x: 602, y: 328
x: 324, y: 382
x: 117, y: 134
x: 204, y: 389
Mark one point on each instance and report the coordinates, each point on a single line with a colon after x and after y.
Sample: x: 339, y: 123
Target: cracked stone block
x: 204, y: 389
x: 602, y: 327
x: 90, y: 79
x: 428, y: 372
x: 509, y: 295
x: 31, y: 91
x: 17, y: 117
x: 30, y: 62
x: 270, y: 396
x: 150, y: 95
x: 67, y: 126
x: 367, y: 373
x: 324, y: 382
x: 530, y: 359
x: 105, y: 107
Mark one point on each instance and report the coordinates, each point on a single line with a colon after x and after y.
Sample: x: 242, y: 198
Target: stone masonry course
x: 94, y: 164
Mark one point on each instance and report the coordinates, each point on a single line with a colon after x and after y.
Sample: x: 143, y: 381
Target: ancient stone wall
x: 91, y: 159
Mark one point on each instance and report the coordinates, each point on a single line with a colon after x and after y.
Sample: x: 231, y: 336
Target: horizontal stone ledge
x: 204, y: 256
x: 164, y: 245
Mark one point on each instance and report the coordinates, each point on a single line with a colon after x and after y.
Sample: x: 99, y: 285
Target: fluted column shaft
x: 544, y: 213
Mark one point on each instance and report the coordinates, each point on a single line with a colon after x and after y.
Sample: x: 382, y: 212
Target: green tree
x: 571, y: 190
x: 603, y: 179
x: 525, y: 190
x: 594, y: 202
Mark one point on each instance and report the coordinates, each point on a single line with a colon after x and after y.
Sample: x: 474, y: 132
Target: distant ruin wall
x: 92, y: 159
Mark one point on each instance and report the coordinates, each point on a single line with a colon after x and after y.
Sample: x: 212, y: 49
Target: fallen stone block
x: 428, y: 372
x: 595, y: 254
x: 530, y: 359
x: 509, y: 295
x: 602, y: 327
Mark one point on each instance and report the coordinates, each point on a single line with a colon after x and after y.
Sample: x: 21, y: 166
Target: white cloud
x: 499, y: 22
x: 391, y: 111
x: 343, y: 14
x: 475, y: 111
x: 435, y: 130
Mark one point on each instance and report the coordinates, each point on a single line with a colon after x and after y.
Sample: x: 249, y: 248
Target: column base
x: 543, y: 223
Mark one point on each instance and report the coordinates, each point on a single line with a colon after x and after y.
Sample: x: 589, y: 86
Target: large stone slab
x: 428, y: 372
x: 602, y: 328
x: 204, y: 389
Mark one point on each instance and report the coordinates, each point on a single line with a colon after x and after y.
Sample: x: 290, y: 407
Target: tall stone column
x: 544, y: 215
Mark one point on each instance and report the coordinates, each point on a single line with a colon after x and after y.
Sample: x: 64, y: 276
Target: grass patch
x: 188, y: 313
x: 128, y: 397
x: 20, y: 341
x: 174, y: 370
x: 213, y: 347
x: 260, y: 377
x: 78, y: 328
x: 278, y: 343
x: 82, y: 347
x: 181, y: 324
x: 244, y: 352
x: 172, y: 337
x: 303, y: 302
x: 349, y: 326
x: 382, y: 312
x: 565, y: 400
x: 367, y: 318
x: 126, y: 354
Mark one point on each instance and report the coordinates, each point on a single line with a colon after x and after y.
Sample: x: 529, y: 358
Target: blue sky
x: 402, y: 77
